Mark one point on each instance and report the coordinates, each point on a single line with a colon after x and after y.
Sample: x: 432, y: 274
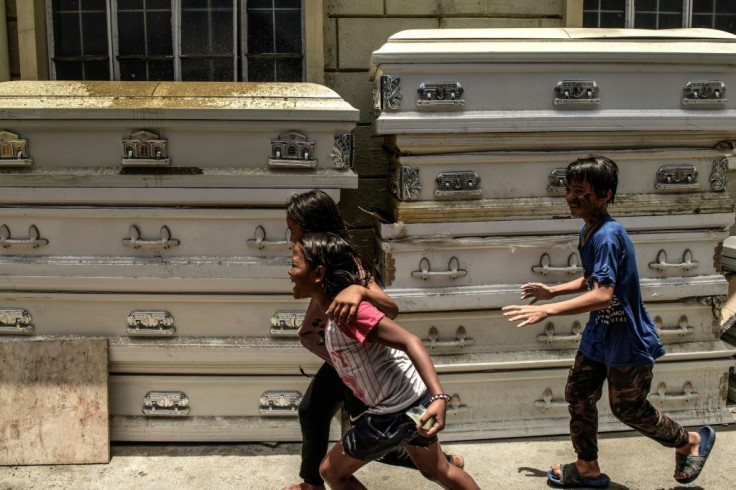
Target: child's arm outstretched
x: 596, y: 299
x: 345, y: 305
x: 388, y: 333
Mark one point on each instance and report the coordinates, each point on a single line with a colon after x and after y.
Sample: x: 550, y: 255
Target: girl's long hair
x: 338, y: 257
x: 316, y: 212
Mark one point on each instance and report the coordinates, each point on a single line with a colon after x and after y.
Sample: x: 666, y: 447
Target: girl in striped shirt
x: 385, y: 366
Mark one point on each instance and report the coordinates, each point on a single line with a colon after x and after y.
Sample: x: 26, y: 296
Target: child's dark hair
x: 315, y: 211
x: 338, y: 257
x: 600, y: 172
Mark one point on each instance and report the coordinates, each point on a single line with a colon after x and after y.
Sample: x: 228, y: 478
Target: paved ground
x: 632, y: 462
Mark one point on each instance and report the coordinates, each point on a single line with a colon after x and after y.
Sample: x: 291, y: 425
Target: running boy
x: 385, y: 366
x: 619, y: 343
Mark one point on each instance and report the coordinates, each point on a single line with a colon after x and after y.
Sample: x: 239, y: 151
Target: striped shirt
x: 382, y: 377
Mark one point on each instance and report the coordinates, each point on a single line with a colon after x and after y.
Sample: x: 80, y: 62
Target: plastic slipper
x: 693, y: 465
x: 571, y: 478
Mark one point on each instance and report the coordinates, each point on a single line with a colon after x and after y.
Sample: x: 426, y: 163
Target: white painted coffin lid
x: 244, y: 101
x: 556, y: 45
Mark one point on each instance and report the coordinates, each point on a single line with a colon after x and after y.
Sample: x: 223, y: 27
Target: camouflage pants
x: 628, y: 388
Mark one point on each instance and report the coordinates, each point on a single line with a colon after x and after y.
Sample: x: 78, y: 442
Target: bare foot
x: 304, y: 486
x: 458, y: 461
x: 692, y: 448
x: 586, y: 469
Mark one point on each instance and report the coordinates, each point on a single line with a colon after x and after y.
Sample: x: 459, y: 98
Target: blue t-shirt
x: 624, y: 333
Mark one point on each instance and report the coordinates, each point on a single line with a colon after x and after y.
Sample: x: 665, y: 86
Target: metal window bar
x: 80, y: 11
x: 146, y: 57
x: 246, y: 56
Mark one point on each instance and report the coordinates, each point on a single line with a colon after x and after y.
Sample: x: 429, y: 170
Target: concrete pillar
x: 32, y: 49
x: 4, y: 49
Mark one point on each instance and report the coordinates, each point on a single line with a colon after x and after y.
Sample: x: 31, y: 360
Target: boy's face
x: 583, y: 201
x: 300, y: 274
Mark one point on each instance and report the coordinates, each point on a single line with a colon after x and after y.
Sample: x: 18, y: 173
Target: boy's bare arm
x: 388, y: 333
x: 597, y: 299
x: 345, y: 305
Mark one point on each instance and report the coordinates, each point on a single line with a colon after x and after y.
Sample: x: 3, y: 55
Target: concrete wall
x: 353, y: 29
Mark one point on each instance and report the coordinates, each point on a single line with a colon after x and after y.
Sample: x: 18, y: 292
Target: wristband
x: 440, y: 396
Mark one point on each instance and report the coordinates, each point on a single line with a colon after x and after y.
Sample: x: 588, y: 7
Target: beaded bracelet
x: 440, y: 396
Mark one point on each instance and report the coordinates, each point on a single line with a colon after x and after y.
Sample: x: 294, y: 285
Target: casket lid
x: 173, y: 100
x: 557, y: 45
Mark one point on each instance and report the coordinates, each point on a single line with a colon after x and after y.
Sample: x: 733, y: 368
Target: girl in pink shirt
x: 387, y: 367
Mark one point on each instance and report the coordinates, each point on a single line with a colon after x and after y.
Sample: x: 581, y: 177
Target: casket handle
x: 165, y: 241
x: 280, y: 403
x: 461, y: 339
x: 545, y: 268
x: 662, y: 265
x: 166, y: 404
x: 34, y: 239
x: 547, y: 401
x: 549, y: 336
x: 150, y: 323
x: 15, y: 321
x: 285, y: 323
x: 259, y: 240
x: 661, y: 397
x: 453, y: 271
x: 681, y: 330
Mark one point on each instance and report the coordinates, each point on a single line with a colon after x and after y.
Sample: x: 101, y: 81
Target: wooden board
x: 53, y: 401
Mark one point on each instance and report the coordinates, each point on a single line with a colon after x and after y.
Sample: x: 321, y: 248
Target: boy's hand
x: 345, y: 305
x: 536, y: 290
x: 437, y: 410
x: 528, y: 314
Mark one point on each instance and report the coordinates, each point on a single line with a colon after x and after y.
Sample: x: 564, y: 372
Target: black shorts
x: 375, y: 435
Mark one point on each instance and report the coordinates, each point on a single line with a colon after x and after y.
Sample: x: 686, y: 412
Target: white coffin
x: 531, y: 403
x: 507, y: 80
x: 139, y: 315
x: 206, y: 408
x: 520, y: 174
x: 142, y: 232
x: 70, y: 124
x: 446, y: 273
x: 465, y: 336
x: 61, y: 141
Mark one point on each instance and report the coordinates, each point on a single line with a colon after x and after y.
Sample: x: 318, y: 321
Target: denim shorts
x: 375, y: 435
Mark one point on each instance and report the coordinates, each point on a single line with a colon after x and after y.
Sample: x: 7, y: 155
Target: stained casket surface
x: 153, y: 214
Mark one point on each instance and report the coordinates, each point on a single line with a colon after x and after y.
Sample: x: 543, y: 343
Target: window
x: 202, y: 40
x: 661, y: 14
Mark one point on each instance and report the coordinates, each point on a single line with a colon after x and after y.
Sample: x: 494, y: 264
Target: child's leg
x: 628, y: 388
x: 582, y: 392
x: 337, y: 469
x: 318, y: 406
x: 434, y: 466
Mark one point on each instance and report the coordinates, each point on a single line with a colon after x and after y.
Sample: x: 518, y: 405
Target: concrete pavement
x: 632, y: 462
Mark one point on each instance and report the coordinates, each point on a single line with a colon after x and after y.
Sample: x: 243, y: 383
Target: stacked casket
x: 480, y: 124
x: 153, y: 214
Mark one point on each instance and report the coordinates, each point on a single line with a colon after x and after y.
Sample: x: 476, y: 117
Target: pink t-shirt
x: 382, y: 377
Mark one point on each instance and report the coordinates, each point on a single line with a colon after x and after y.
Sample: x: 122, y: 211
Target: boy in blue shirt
x: 619, y: 344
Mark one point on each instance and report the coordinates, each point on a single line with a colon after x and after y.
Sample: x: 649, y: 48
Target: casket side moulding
x: 144, y: 231
x: 551, y: 122
x: 512, y: 174
x: 561, y: 226
x: 457, y: 143
x: 265, y: 196
x: 531, y: 208
x: 499, y: 295
x: 269, y: 316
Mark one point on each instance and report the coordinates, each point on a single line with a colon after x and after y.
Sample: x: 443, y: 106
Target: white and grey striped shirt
x: 382, y: 377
